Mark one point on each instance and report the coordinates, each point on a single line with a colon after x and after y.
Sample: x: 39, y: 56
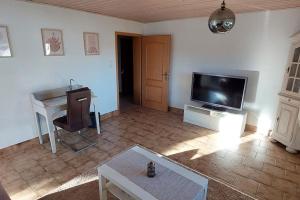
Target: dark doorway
x: 125, y: 64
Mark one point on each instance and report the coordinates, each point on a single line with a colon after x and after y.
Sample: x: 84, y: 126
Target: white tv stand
x: 229, y: 121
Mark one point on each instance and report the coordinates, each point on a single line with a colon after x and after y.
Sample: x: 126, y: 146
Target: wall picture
x: 91, y: 43
x: 53, y: 42
x: 5, y: 50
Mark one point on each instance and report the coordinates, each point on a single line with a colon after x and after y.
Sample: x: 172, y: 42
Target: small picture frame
x: 5, y: 49
x: 91, y: 43
x: 53, y: 42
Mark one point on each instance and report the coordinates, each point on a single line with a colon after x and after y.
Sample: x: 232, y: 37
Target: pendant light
x: 221, y: 20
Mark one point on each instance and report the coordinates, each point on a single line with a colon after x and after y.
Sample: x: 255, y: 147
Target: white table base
x: 123, y: 188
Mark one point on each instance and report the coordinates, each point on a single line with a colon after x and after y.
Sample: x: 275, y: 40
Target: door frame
x: 134, y: 35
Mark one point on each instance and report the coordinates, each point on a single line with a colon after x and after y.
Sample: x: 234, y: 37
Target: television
x: 219, y: 91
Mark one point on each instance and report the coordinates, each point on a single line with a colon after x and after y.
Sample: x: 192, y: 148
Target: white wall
x: 29, y: 70
x: 257, y: 46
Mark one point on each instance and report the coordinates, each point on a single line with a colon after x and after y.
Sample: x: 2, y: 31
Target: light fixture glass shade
x: 221, y: 20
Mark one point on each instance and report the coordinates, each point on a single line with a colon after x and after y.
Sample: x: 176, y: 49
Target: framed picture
x: 91, y: 43
x: 5, y: 50
x: 53, y: 42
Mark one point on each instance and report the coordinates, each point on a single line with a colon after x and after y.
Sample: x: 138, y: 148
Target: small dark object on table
x: 151, y: 169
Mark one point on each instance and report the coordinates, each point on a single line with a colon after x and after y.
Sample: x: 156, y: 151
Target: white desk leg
x: 51, y: 133
x: 205, y: 195
x: 38, y: 126
x: 102, y: 187
x: 97, y: 120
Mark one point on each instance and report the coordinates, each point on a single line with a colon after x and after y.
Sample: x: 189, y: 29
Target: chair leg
x: 88, y: 141
x: 56, y: 133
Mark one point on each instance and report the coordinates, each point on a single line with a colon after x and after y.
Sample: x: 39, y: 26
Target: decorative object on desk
x: 5, y: 50
x: 91, y: 43
x: 221, y: 20
x: 151, y: 169
x: 52, y: 42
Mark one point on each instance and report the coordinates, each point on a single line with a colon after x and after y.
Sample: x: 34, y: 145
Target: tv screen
x: 219, y: 91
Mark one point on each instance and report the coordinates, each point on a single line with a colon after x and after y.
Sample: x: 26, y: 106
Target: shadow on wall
x: 253, y: 77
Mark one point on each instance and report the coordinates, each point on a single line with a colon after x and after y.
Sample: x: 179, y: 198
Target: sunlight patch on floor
x: 264, y: 125
x: 77, y: 181
x: 177, y: 148
x: 223, y: 141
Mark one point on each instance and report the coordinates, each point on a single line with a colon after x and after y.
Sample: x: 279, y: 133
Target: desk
x: 51, y: 103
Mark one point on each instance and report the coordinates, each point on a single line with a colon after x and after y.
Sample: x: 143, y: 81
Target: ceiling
x: 159, y: 10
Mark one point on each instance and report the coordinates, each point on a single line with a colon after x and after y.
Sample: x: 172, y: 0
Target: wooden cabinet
x: 291, y: 84
x: 285, y: 121
x: 286, y: 128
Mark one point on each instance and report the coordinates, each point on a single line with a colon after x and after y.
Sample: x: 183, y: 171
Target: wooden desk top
x: 53, y: 98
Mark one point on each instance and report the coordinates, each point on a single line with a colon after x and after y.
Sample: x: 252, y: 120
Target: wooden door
x: 155, y: 71
x: 286, y: 119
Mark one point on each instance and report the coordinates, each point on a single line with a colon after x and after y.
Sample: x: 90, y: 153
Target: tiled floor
x: 252, y: 164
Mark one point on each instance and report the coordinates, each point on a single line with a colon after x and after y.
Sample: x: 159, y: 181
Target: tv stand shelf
x: 229, y: 121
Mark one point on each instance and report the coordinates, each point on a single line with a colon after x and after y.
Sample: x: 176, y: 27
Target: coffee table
x: 125, y: 177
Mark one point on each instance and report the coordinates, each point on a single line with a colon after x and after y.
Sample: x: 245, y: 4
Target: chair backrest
x: 78, y: 111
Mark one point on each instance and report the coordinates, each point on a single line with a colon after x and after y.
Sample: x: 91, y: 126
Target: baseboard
x: 179, y: 111
x: 176, y: 110
x: 110, y: 114
x: 250, y: 128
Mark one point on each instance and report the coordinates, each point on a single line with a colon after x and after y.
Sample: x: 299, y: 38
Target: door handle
x: 166, y: 75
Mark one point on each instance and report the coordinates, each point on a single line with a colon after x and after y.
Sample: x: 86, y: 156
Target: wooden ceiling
x: 159, y: 10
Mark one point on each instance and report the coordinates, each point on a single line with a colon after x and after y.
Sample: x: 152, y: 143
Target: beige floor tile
x: 275, y: 171
x: 261, y: 177
x: 65, y: 175
x: 28, y: 174
x: 56, y: 166
x: 293, y: 177
x: 286, y: 165
x: 255, y: 166
x: 26, y: 194
x: 16, y: 186
x: 9, y: 176
x: 284, y: 185
x: 254, y: 163
x: 246, y: 185
x: 288, y: 196
x: 267, y: 192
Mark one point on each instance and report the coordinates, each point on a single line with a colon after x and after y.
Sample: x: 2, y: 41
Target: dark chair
x: 78, y: 116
